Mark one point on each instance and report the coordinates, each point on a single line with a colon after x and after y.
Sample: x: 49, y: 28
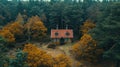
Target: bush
x: 19, y: 61
x: 86, y: 49
x: 62, y: 61
x: 37, y: 57
x: 3, y: 60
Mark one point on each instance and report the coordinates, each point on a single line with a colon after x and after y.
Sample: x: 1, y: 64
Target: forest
x: 25, y: 30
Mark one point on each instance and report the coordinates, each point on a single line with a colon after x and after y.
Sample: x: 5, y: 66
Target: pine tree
x: 107, y: 33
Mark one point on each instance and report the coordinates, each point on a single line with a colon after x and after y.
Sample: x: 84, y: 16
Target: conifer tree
x: 107, y: 33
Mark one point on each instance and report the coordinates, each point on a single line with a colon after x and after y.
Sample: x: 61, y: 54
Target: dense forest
x: 25, y: 28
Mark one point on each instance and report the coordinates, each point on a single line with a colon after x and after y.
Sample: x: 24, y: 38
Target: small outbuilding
x: 61, y: 36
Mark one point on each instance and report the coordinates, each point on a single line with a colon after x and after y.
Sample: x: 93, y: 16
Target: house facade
x: 61, y: 36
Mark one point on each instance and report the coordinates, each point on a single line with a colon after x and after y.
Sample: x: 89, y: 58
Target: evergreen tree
x: 107, y: 33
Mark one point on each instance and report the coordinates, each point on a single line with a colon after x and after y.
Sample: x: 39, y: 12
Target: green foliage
x: 2, y: 40
x: 107, y: 32
x: 3, y: 49
x: 113, y: 54
x: 3, y: 59
x: 3, y: 44
x: 19, y: 61
x: 68, y: 12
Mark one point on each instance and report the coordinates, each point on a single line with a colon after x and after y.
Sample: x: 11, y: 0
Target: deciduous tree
x: 35, y: 28
x: 62, y: 61
x: 16, y: 28
x: 37, y: 57
x: 9, y: 37
x: 88, y: 24
x: 86, y: 49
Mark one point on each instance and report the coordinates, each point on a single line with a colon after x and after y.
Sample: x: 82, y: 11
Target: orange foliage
x: 15, y: 28
x: 79, y: 47
x: 20, y: 18
x: 88, y: 24
x: 86, y: 49
x: 7, y: 35
x: 35, y: 27
x: 37, y: 57
x: 62, y: 61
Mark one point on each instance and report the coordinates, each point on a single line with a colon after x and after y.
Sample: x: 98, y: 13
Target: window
x: 56, y: 33
x: 67, y: 33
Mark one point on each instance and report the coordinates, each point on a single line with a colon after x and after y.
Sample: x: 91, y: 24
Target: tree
x: 37, y: 57
x: 7, y: 35
x: 35, y: 28
x: 16, y: 28
x: 86, y: 49
x: 2, y: 40
x: 107, y: 33
x: 87, y: 26
x: 20, y: 19
x: 62, y: 61
x: 19, y: 60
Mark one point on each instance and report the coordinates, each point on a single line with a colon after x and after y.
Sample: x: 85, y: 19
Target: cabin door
x: 62, y: 41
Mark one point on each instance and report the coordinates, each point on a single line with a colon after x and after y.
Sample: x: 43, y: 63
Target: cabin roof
x: 61, y: 33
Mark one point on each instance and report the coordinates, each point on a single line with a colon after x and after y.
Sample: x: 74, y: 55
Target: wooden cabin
x: 61, y: 36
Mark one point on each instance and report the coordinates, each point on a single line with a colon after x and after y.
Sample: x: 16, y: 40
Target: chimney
x: 66, y: 26
x: 56, y: 26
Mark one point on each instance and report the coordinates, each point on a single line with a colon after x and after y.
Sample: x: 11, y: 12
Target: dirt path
x: 64, y: 49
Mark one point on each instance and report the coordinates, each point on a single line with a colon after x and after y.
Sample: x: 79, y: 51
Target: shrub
x: 19, y: 61
x: 62, y: 61
x: 7, y: 35
x: 86, y: 49
x: 37, y: 57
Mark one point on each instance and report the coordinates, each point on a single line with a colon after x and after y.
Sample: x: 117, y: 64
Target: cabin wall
x: 68, y: 40
x: 57, y: 40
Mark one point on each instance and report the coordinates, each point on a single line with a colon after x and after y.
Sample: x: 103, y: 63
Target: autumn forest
x: 26, y: 36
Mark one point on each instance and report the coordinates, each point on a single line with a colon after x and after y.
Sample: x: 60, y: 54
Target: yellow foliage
x: 7, y: 35
x: 84, y: 42
x: 78, y: 64
x: 62, y: 61
x: 37, y: 57
x: 20, y: 18
x: 88, y: 24
x: 86, y: 49
x: 35, y: 27
x: 15, y: 28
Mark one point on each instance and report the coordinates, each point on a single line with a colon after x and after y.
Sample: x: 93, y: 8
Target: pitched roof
x: 61, y: 33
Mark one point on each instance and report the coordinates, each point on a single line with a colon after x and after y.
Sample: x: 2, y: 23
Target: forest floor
x: 61, y: 49
x: 65, y: 49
